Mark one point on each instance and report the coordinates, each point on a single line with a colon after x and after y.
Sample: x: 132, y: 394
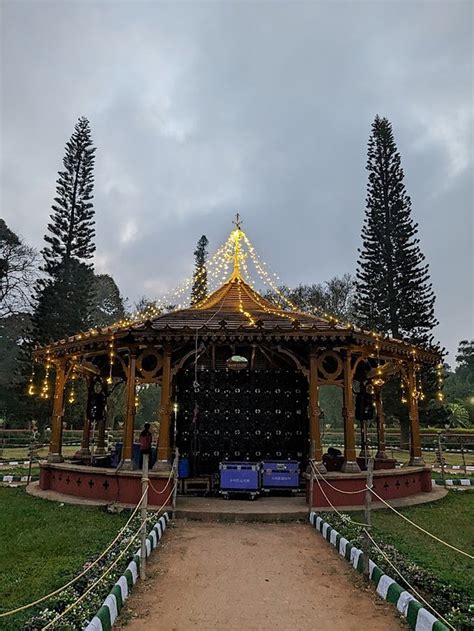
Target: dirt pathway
x: 252, y: 577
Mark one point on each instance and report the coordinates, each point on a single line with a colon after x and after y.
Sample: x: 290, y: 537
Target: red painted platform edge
x: 396, y: 485
x: 105, y: 485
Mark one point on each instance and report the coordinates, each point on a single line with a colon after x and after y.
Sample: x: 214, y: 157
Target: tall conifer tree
x: 199, y: 289
x: 393, y: 290
x: 394, y: 293
x: 63, y: 295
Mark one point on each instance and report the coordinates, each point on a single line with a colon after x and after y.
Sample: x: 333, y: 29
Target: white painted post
x: 368, y: 514
x: 175, y: 476
x: 143, y: 515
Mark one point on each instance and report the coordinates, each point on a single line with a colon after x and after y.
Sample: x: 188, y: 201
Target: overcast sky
x: 202, y: 109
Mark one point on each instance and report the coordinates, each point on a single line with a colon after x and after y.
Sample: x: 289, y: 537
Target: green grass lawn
x: 450, y: 519
x: 430, y: 457
x: 21, y: 453
x: 44, y: 544
x: 18, y: 470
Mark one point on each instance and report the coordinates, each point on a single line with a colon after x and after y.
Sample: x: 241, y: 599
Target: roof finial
x: 237, y: 255
x: 238, y: 222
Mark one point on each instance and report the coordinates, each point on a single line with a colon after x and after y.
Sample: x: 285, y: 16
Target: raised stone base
x: 83, y: 454
x: 350, y: 466
x: 55, y: 458
x: 320, y: 467
x: 416, y: 461
x: 162, y: 466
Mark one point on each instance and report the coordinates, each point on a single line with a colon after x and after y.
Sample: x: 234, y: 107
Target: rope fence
x: 111, y: 566
x: 100, y: 557
x: 412, y: 523
x: 417, y: 594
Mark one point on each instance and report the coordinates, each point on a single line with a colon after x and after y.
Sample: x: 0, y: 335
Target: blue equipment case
x: 280, y: 475
x: 239, y: 477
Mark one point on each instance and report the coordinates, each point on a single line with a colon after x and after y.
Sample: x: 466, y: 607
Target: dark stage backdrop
x: 241, y: 415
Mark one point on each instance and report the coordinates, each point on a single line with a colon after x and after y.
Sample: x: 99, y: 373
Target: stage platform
x: 343, y: 490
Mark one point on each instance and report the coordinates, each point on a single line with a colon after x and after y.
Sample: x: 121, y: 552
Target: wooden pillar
x: 100, y: 445
x: 129, y: 426
x: 350, y: 462
x: 84, y: 453
x: 416, y: 457
x: 101, y: 422
x: 381, y: 453
x: 315, y: 447
x: 164, y: 446
x: 55, y: 445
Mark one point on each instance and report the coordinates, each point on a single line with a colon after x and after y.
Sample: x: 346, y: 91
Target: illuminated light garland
x: 379, y: 380
x: 72, y: 393
x: 404, y: 399
x: 44, y: 394
x: 439, y: 378
x: 216, y: 269
x: 31, y: 390
x: 241, y: 306
x: 137, y: 396
x: 110, y: 378
x: 419, y: 386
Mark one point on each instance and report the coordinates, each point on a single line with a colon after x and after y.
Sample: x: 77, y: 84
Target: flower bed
x: 84, y: 612
x: 454, y: 604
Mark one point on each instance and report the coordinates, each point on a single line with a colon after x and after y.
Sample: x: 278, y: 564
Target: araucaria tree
x: 199, y: 289
x: 64, y: 293
x: 393, y: 290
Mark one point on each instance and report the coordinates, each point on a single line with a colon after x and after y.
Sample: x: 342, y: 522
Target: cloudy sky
x: 199, y: 109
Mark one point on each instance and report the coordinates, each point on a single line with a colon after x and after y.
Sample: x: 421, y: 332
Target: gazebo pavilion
x: 185, y: 349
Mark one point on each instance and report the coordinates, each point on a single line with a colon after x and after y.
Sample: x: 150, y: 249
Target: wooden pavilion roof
x: 236, y: 305
x: 234, y: 309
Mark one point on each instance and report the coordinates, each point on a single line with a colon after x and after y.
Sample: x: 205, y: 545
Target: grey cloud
x: 200, y: 109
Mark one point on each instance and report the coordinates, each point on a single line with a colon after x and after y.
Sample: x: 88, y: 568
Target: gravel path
x: 252, y: 577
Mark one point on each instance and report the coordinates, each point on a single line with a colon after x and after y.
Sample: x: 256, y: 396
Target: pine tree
x: 72, y: 220
x: 64, y: 293
x: 199, y: 289
x: 393, y: 290
x: 108, y: 303
x: 394, y: 294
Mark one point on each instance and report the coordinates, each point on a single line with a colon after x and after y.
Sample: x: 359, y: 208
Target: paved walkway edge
x: 109, y: 612
x: 419, y: 618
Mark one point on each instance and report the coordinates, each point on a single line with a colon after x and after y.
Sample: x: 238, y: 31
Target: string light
x: 72, y: 393
x: 110, y: 378
x: 439, y: 379
x: 379, y: 380
x: 241, y: 306
x: 404, y: 392
x: 239, y: 250
x: 31, y: 382
x: 44, y: 394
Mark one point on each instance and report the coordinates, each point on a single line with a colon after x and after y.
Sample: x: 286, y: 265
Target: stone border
x: 455, y: 482
x: 108, y: 613
x: 18, y: 478
x: 418, y: 618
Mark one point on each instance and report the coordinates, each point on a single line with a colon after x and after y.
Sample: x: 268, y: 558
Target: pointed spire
x: 238, y: 255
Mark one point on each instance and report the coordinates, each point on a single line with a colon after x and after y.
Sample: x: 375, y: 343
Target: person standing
x: 146, y: 439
